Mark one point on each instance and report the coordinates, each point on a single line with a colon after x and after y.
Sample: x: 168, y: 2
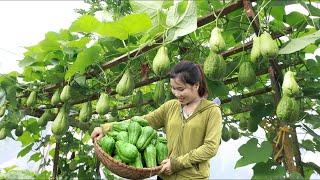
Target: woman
x: 192, y: 125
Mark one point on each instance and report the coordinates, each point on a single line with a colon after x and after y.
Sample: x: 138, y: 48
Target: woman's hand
x: 166, y: 168
x: 97, y: 132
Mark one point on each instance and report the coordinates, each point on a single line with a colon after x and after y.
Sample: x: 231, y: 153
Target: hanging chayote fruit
x: 216, y: 42
x: 3, y: 133
x: 126, y: 84
x: 268, y: 47
x: 159, y: 94
x: 214, y: 67
x: 32, y: 99
x: 48, y: 115
x: 3, y: 110
x: 161, y: 62
x: 65, y: 95
x: 55, y: 99
x: 235, y: 104
x: 288, y: 109
x: 255, y: 51
x: 61, y: 123
x: 247, y: 75
x: 290, y: 87
x: 103, y: 104
x: 137, y: 99
x: 85, y: 112
x: 225, y: 134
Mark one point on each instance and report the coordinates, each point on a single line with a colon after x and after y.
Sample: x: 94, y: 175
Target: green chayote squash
x: 60, y: 124
x: 234, y: 133
x: 235, y: 104
x: 252, y: 125
x: 19, y: 131
x: 214, y: 67
x: 103, y: 104
x: 126, y: 84
x: 85, y: 112
x: 216, y: 42
x: 55, y: 99
x: 3, y: 133
x: 289, y: 86
x: 225, y: 134
x: 32, y: 99
x: 161, y: 62
x: 48, y: 115
x: 288, y: 110
x: 255, y: 51
x: 126, y: 151
x: 247, y: 75
x: 268, y: 47
x: 2, y: 110
x: 138, y: 98
x: 243, y: 124
x: 159, y: 94
x: 65, y: 95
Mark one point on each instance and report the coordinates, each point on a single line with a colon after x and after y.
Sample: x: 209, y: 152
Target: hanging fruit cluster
x: 288, y: 108
x: 214, y: 67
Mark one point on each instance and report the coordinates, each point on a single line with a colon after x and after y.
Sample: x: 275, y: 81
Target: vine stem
x: 55, y: 161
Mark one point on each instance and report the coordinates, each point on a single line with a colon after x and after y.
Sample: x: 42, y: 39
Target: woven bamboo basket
x: 122, y: 169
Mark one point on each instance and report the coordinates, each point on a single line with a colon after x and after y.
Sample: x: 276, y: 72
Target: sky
x: 24, y: 23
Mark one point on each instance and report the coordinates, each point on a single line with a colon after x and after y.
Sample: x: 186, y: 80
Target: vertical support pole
x: 55, y: 161
x: 252, y: 16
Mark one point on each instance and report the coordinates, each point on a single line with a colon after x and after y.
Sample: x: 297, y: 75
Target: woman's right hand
x: 97, y: 132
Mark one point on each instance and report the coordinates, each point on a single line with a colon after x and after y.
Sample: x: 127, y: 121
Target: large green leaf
x: 308, y: 145
x: 181, y: 19
x: 217, y: 89
x: 300, y: 43
x: 86, y: 23
x: 136, y: 23
x: 267, y: 171
x: 311, y: 132
x: 8, y: 84
x: 311, y: 9
x: 25, y: 138
x: 35, y: 157
x: 314, y: 120
x: 25, y: 151
x: 26, y: 61
x: 49, y: 45
x: 313, y: 66
x: 62, y: 35
x: 278, y: 12
x: 128, y: 25
x: 251, y: 153
x: 86, y: 58
x: 154, y: 10
x: 79, y: 43
x: 296, y: 20
x: 260, y: 110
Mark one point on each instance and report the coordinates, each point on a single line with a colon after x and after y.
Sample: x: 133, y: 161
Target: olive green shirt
x: 192, y: 142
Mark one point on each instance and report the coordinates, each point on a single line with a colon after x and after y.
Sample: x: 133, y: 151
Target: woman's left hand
x: 166, y: 168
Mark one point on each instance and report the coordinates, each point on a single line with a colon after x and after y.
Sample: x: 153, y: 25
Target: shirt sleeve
x: 157, y: 118
x: 206, y: 151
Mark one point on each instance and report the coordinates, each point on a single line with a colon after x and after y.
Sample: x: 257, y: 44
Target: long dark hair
x: 191, y: 73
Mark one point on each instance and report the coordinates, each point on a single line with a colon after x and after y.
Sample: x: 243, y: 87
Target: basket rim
x: 99, y: 150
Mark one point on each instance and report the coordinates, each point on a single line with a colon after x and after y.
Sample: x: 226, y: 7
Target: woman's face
x: 184, y: 92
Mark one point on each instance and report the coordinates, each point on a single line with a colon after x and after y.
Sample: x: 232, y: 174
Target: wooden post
x: 55, y: 161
